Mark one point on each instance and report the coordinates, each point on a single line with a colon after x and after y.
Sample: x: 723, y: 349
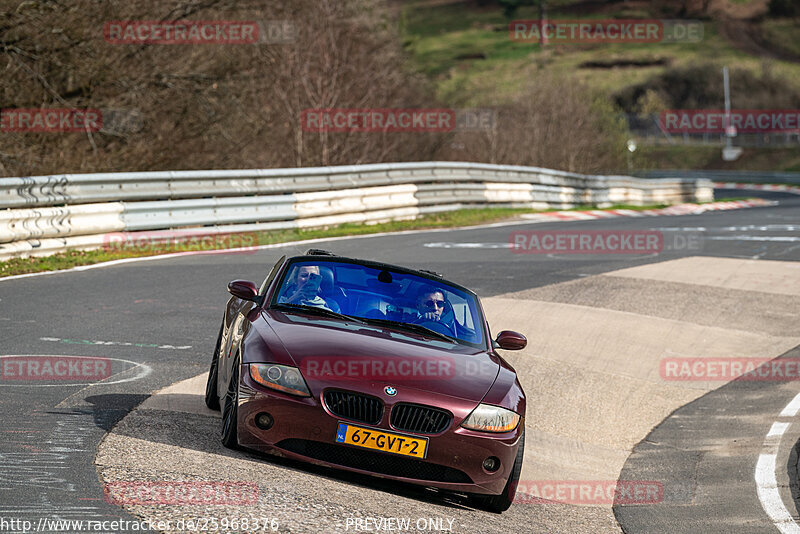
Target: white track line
x: 143, y: 371
x: 792, y: 408
x: 546, y: 217
x: 766, y: 482
x: 265, y: 247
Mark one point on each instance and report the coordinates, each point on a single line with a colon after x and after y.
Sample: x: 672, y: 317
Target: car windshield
x: 385, y: 297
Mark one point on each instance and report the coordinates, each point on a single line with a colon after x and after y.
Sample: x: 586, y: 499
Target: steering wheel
x: 436, y: 326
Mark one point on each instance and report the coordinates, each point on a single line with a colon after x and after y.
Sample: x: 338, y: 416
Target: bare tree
x: 554, y: 123
x: 234, y: 106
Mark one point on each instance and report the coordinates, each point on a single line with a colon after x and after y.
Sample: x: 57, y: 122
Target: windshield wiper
x: 318, y: 311
x: 419, y: 329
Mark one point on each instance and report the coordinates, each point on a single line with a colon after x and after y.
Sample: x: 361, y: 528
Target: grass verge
x: 451, y: 219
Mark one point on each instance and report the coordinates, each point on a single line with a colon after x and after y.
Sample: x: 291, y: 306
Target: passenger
x: 304, y: 289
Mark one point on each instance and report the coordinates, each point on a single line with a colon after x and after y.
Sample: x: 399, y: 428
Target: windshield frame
x: 288, y: 264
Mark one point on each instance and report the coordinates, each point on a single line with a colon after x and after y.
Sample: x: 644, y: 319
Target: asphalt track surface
x: 157, y: 323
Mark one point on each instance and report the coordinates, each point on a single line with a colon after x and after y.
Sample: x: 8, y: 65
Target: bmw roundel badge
x: 389, y: 390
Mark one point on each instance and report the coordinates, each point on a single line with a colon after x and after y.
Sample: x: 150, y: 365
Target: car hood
x: 368, y: 358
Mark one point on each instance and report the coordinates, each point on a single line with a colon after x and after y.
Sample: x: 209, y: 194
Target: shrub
x: 700, y: 86
x: 784, y: 8
x: 556, y: 123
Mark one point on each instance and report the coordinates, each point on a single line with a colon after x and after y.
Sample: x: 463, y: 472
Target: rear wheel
x: 501, y: 503
x: 230, y: 411
x: 212, y: 399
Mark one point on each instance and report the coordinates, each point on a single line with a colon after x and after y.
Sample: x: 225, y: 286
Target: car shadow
x: 108, y: 410
x: 180, y: 428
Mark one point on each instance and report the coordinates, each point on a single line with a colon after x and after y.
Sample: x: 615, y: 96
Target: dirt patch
x: 748, y: 10
x: 625, y: 63
x: 746, y: 35
x: 477, y: 55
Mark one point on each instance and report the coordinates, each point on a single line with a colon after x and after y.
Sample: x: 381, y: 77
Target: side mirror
x: 243, y: 289
x: 509, y: 340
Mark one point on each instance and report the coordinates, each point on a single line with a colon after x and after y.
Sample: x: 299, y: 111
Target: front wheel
x: 212, y: 398
x: 500, y: 503
x: 230, y: 411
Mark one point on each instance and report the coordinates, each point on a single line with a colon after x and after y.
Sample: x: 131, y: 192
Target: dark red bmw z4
x: 372, y: 368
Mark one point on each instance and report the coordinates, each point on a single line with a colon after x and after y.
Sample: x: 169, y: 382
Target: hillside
x: 464, y: 46
x: 223, y: 105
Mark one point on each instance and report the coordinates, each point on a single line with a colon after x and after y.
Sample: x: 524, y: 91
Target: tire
x: 230, y: 410
x: 500, y: 503
x: 212, y: 398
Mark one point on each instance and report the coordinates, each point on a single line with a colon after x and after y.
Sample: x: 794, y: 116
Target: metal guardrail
x: 648, y: 129
x: 135, y: 186
x: 758, y: 177
x: 41, y: 215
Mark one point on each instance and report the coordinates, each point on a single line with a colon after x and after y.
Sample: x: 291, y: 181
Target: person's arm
x: 331, y: 305
x: 291, y: 296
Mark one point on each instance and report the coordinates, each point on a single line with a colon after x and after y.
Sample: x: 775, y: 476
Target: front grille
x: 375, y: 462
x: 355, y: 406
x: 420, y: 419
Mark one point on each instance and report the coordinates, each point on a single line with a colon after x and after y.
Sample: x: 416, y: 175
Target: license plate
x: 369, y: 438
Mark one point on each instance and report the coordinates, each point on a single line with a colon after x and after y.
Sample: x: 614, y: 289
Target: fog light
x: 264, y: 421
x: 491, y: 464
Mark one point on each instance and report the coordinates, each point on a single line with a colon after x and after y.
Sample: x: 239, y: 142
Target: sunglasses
x: 431, y: 303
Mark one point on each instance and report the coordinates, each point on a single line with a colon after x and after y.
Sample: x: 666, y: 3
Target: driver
x: 300, y: 291
x: 430, y: 303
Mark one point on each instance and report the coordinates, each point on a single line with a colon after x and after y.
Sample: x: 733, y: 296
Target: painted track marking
x: 144, y: 370
x: 766, y: 482
x: 548, y: 217
x: 113, y: 343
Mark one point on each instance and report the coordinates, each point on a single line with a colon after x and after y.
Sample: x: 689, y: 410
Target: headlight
x: 488, y: 418
x: 280, y: 377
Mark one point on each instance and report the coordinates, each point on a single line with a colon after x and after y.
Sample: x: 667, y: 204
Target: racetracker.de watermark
x: 697, y: 121
x: 565, y: 31
x: 596, y: 242
x: 181, y: 493
x: 50, y: 120
x: 194, y: 32
x: 586, y: 242
x: 341, y: 120
x: 25, y: 368
x: 378, y: 368
x: 71, y: 120
x: 589, y: 492
x: 180, y: 241
x: 726, y: 369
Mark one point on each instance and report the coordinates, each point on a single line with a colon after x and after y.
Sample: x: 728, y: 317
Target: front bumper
x: 304, y: 430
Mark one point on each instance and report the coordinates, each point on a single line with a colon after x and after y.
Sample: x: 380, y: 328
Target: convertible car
x: 372, y: 368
